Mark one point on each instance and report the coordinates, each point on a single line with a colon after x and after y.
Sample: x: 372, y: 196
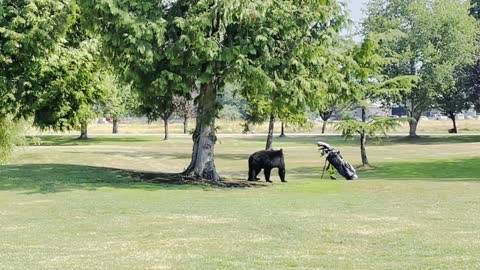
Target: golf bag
x: 336, y: 160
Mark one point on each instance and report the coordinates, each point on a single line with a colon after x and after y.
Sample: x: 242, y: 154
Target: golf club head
x: 322, y: 146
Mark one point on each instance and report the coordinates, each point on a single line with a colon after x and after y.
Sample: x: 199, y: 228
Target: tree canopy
x: 430, y: 39
x: 65, y: 61
x: 29, y: 33
x: 365, y: 73
x: 273, y: 49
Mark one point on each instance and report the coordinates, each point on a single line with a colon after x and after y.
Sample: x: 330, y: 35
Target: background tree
x: 377, y: 127
x: 48, y: 63
x: 159, y: 107
x: 211, y: 42
x: 120, y: 101
x: 70, y: 82
x: 366, y: 75
x: 453, y: 34
x: 290, y: 60
x: 470, y: 84
x: 185, y: 109
x: 11, y: 136
x: 29, y: 31
x: 470, y: 79
x: 233, y: 106
x: 456, y: 96
x: 397, y: 21
x: 424, y: 36
x: 475, y: 8
x: 333, y: 104
x: 282, y: 130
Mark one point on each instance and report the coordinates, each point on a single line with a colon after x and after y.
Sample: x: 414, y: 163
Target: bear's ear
x: 281, y: 150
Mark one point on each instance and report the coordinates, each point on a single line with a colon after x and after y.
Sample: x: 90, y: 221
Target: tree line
x: 63, y: 61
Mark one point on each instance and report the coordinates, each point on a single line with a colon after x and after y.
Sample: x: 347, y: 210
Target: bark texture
x: 324, y: 126
x: 454, y: 121
x: 325, y: 115
x: 83, y: 131
x: 116, y: 123
x: 413, y: 124
x: 363, y: 140
x: 202, y: 165
x: 282, y: 131
x: 271, y: 126
x: 165, y: 128
x: 185, y: 124
x: 363, y: 149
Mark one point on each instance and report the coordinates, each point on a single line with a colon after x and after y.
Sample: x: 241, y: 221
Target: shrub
x: 11, y: 135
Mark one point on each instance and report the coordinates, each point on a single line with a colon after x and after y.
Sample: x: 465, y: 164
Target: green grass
x: 69, y: 205
x: 73, y: 140
x: 254, y: 140
x: 438, y: 170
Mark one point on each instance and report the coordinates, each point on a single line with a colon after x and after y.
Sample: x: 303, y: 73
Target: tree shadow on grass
x: 52, y: 178
x: 160, y: 155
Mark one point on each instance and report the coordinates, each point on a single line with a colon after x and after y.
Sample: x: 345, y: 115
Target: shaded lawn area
x: 402, y: 215
x: 52, y: 178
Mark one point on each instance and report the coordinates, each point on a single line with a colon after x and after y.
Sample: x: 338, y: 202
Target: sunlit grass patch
x: 67, y: 206
x: 449, y: 170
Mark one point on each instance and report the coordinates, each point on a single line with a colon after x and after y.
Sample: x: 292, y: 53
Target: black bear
x: 266, y: 160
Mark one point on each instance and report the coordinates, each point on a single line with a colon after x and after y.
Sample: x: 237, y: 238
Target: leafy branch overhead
x: 284, y: 79
x: 376, y: 128
x: 274, y: 50
x: 29, y: 33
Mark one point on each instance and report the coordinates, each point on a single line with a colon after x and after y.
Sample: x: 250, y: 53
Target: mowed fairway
x: 63, y: 207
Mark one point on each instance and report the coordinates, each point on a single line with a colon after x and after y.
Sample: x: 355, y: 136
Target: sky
x: 355, y: 7
x: 356, y: 14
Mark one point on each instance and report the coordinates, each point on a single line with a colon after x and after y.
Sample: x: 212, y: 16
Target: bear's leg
x: 267, y: 171
x: 251, y: 174
x: 281, y: 173
x: 257, y: 171
x: 251, y: 170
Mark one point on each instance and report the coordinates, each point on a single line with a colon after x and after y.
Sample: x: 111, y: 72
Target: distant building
x: 372, y: 110
x: 399, y: 111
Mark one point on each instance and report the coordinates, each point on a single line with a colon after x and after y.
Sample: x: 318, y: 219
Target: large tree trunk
x: 363, y: 140
x: 185, y: 124
x: 83, y: 130
x: 165, y: 128
x: 452, y: 116
x: 116, y: 122
x: 282, y: 131
x: 202, y: 165
x: 271, y: 126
